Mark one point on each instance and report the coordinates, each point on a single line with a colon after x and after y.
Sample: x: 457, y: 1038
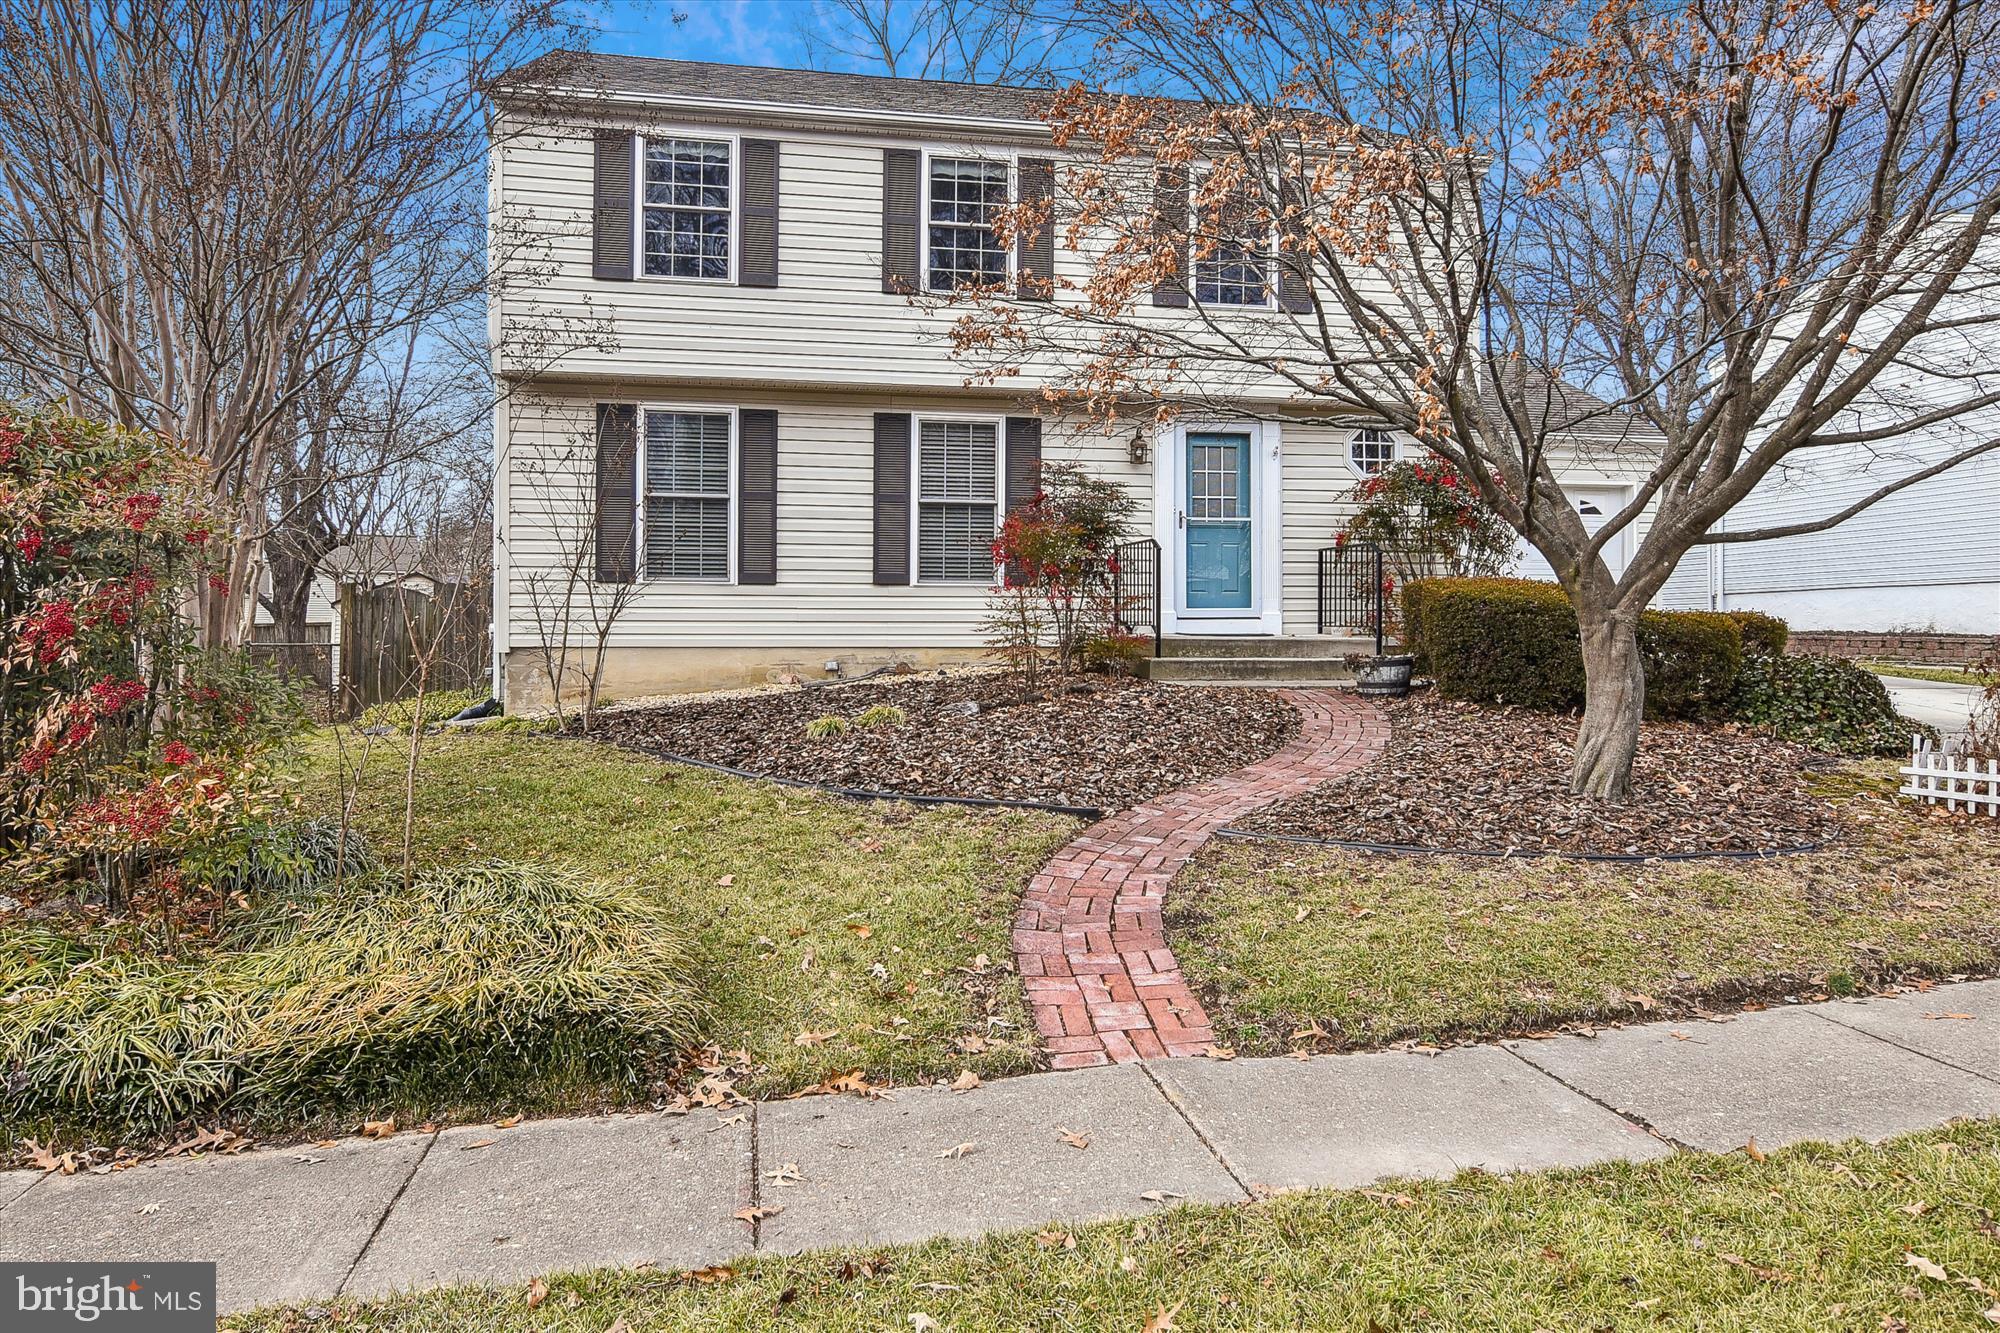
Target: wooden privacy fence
x: 392, y: 637
x: 1950, y: 780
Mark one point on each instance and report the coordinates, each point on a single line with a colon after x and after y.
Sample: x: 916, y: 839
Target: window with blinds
x: 958, y: 500
x: 687, y: 495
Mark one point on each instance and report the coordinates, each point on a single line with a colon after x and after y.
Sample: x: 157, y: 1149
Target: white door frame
x: 1266, y: 612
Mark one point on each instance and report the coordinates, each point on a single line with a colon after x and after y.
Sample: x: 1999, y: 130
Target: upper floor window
x: 958, y: 499
x: 686, y: 484
x: 966, y: 195
x: 688, y: 208
x: 1370, y: 451
x: 1232, y: 263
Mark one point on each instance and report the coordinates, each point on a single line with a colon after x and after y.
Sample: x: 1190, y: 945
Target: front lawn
x: 1899, y: 1237
x: 1943, y: 675
x: 831, y: 935
x: 1347, y: 949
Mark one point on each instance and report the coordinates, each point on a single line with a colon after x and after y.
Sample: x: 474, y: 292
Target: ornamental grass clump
x: 472, y: 980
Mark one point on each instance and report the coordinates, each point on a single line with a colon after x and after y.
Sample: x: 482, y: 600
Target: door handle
x: 1180, y: 518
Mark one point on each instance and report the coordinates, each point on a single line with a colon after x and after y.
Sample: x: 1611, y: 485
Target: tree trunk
x: 1614, y: 699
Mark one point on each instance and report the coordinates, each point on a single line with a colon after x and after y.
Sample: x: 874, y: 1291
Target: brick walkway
x: 1089, y: 939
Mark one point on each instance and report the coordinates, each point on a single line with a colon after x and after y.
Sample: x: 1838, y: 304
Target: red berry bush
x: 121, y: 743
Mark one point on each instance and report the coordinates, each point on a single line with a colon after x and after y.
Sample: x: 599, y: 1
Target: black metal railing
x: 1139, y: 588
x: 1353, y: 590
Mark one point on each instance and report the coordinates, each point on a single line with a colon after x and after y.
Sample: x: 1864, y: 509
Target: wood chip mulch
x: 1458, y: 776
x: 1111, y: 744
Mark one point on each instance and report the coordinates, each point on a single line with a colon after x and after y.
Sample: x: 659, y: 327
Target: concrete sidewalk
x: 486, y: 1204
x: 1943, y: 705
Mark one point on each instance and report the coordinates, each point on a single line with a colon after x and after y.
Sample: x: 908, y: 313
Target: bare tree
x: 573, y: 600
x: 1759, y: 232
x: 963, y: 41
x: 209, y: 209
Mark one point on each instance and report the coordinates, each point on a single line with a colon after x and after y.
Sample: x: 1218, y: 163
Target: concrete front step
x: 1246, y: 670
x: 1320, y: 646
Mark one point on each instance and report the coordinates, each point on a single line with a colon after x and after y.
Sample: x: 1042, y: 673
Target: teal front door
x: 1217, y: 532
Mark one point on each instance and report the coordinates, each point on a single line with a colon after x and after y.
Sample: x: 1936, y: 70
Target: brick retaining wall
x: 1947, y: 650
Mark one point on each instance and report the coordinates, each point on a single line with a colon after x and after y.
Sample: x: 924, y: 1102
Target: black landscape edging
x: 1090, y: 812
x: 1516, y: 853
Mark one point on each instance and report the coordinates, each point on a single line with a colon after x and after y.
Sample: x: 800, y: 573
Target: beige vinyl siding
x: 827, y: 324
x: 825, y: 594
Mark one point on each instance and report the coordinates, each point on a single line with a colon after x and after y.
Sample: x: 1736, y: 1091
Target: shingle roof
x: 654, y: 77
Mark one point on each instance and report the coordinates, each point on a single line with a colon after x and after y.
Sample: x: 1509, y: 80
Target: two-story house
x: 728, y: 416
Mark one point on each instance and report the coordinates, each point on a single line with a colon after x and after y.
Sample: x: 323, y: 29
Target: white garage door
x: 1595, y: 504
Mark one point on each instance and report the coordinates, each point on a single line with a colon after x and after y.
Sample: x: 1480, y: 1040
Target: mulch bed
x: 1458, y: 776
x: 1111, y: 744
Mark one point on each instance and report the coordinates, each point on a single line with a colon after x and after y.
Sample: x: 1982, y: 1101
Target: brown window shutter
x: 757, y: 255
x: 1024, y: 460
x: 756, y: 496
x: 1036, y: 250
x: 892, y: 497
x: 1170, y: 219
x: 617, y: 492
x: 1295, y: 294
x: 611, y: 217
x: 901, y: 201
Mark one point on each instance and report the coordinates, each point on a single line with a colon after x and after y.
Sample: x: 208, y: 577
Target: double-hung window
x: 687, y: 491
x: 965, y: 199
x: 1232, y: 263
x: 689, y: 205
x: 958, y: 499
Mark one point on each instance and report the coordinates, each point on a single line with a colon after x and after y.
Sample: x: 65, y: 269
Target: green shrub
x: 1762, y: 634
x: 826, y: 728
x: 1691, y: 661
x: 438, y: 706
x: 1119, y: 654
x: 472, y: 980
x: 1514, y: 641
x: 881, y: 715
x: 1825, y: 702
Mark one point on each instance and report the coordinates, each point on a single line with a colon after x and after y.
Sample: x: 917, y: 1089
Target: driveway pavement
x: 1946, y: 707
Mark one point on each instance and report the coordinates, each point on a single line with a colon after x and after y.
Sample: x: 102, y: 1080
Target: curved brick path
x: 1089, y: 940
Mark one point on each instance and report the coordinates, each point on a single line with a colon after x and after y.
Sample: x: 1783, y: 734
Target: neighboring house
x: 724, y: 408
x: 1925, y: 559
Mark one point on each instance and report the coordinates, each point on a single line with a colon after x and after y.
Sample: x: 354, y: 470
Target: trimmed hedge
x: 1514, y: 641
x: 1762, y: 635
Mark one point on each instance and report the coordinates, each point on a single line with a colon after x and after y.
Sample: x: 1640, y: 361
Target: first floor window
x: 966, y: 196
x: 687, y: 208
x: 687, y: 495
x: 958, y: 499
x: 1370, y: 451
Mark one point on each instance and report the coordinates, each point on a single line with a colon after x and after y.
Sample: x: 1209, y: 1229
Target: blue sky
x: 741, y: 32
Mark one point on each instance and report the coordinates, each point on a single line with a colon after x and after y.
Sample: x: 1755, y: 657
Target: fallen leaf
x: 786, y: 1173
x: 538, y: 1291
x: 478, y: 1143
x: 1992, y: 1316
x: 709, y: 1276
x: 753, y: 1215
x: 1072, y: 1138
x: 1163, y: 1318
x: 861, y: 930
x: 1214, y: 1052
x: 508, y: 1123
x: 380, y: 1129
x: 1127, y: 1264
x: 725, y: 881
x: 1963, y: 1018
x: 970, y: 1044
x: 1752, y: 1151
x: 1301, y: 914
x: 1393, y: 1200
x: 814, y: 1038
x: 1917, y: 1209
x: 218, y: 1140
x: 960, y: 1150
x: 148, y: 1209
x: 1930, y: 1270
x: 1160, y: 1196
x: 1050, y: 1240
x: 922, y: 1322
x: 48, y: 1161
x: 965, y: 1082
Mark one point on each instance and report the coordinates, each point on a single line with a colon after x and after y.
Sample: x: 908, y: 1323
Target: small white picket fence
x: 1951, y: 780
